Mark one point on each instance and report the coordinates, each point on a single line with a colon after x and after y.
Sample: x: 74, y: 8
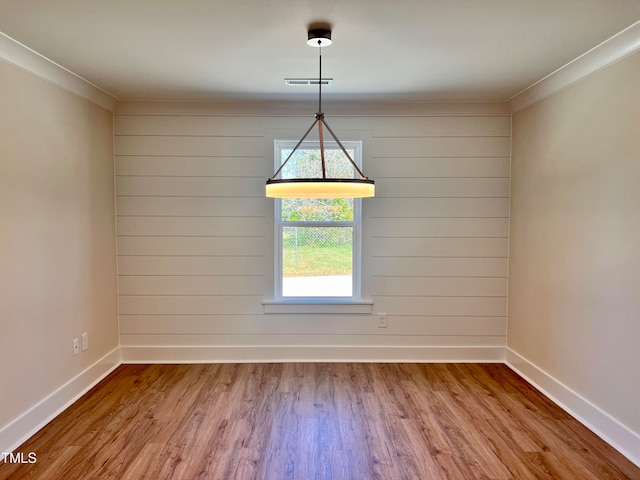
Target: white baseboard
x: 309, y: 353
x: 27, y: 424
x: 598, y: 421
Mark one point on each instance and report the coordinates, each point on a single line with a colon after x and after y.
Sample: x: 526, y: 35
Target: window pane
x: 306, y: 163
x: 317, y: 209
x: 317, y: 261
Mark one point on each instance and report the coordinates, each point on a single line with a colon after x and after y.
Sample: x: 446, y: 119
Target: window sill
x: 309, y: 307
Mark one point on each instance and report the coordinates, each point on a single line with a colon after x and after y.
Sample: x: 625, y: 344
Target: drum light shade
x: 321, y: 188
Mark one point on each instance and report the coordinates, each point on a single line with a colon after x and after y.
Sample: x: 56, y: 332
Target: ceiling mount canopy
x: 319, y: 37
x: 323, y: 187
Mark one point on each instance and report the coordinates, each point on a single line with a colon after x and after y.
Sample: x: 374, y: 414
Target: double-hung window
x: 317, y: 240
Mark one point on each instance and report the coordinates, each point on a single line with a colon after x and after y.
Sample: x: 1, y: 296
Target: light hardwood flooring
x: 317, y: 421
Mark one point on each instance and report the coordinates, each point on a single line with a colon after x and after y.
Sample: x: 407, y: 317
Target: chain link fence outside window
x: 317, y: 251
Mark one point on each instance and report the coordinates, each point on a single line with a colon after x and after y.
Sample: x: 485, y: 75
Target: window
x: 317, y: 240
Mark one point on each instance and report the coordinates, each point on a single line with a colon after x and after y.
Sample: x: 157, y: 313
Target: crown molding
x: 15, y: 53
x: 610, y: 51
x: 275, y: 108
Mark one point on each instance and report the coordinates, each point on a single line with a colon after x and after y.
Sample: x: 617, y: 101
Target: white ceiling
x: 405, y: 50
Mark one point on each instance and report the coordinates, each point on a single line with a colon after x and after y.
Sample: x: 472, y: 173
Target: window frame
x: 355, y: 224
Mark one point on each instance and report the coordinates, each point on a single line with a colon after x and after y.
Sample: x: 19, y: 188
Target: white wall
x: 57, y: 247
x: 195, y: 236
x: 574, y: 289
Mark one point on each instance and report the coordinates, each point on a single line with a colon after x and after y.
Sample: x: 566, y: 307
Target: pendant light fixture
x: 323, y: 187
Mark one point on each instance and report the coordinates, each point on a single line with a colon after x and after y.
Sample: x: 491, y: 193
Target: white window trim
x: 313, y: 304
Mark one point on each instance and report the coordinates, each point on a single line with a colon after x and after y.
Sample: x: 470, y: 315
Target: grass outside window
x: 310, y: 261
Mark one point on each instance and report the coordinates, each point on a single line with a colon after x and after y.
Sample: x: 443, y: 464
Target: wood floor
x: 317, y: 421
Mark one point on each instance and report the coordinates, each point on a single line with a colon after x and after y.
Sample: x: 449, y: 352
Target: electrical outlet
x: 382, y: 320
x: 85, y: 341
x: 76, y: 346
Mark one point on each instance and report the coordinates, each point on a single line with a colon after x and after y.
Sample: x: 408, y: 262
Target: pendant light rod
x: 321, y: 138
x: 324, y: 167
x: 295, y: 148
x: 344, y: 150
x: 320, y: 77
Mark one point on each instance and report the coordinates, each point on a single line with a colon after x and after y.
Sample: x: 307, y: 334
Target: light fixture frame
x: 323, y: 187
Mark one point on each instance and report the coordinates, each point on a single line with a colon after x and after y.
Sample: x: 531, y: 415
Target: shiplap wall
x: 196, y: 247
